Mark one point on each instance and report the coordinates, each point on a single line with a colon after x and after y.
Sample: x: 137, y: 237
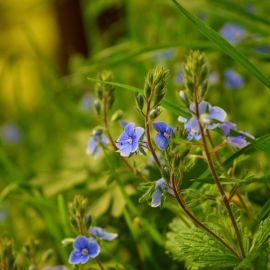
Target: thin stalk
x: 216, y: 179
x: 235, y: 187
x: 107, y: 127
x: 99, y: 264
x: 196, y: 221
x: 148, y: 137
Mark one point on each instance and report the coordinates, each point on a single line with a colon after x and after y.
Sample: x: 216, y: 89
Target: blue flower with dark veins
x: 233, y: 33
x: 232, y: 79
x: 96, y: 143
x: 84, y: 249
x: 238, y: 141
x: 162, y: 139
x: 210, y: 117
x: 102, y: 234
x: 160, y: 186
x: 128, y: 142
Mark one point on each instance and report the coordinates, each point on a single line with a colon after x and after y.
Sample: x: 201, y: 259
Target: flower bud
x: 97, y: 106
x: 118, y: 115
x: 155, y: 113
x: 140, y: 101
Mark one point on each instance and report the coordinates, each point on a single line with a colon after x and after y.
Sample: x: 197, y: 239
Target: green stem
x: 99, y: 264
x: 197, y: 222
x: 216, y: 179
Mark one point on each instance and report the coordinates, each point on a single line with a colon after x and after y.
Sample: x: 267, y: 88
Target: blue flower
x: 164, y: 133
x: 238, y: 141
x: 128, y: 142
x: 96, y: 143
x: 102, y: 234
x: 233, y: 33
x: 160, y: 186
x: 164, y: 55
x: 84, y: 249
x: 11, y: 133
x: 179, y: 79
x: 210, y: 116
x: 232, y: 79
x: 86, y: 102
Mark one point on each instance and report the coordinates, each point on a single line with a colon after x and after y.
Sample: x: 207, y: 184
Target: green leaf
x: 197, y: 248
x: 223, y: 44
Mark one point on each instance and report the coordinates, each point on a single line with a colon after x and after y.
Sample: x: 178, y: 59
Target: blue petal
x: 125, y: 150
x: 169, y: 130
x: 102, y: 234
x: 91, y: 146
x: 85, y: 258
x: 217, y: 113
x: 129, y: 129
x: 95, y: 231
x: 227, y: 127
x: 203, y: 107
x: 104, y: 140
x: 211, y: 126
x: 109, y: 236
x: 75, y: 257
x: 160, y: 126
x: 197, y: 136
x: 194, y: 124
x: 93, y: 248
x: 182, y: 119
x: 238, y: 141
x: 156, y: 198
x: 80, y: 243
x: 139, y: 132
x: 161, y: 141
x: 160, y: 184
x: 123, y: 139
x: 246, y: 134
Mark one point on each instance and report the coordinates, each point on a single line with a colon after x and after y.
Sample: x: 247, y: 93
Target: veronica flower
x: 96, y: 143
x: 164, y: 55
x: 179, y: 79
x: 128, y: 142
x: 11, y: 133
x: 84, y: 249
x: 160, y: 186
x: 86, y: 102
x: 238, y: 141
x: 210, y: 116
x: 164, y: 134
x: 102, y: 234
x: 232, y: 79
x: 233, y: 33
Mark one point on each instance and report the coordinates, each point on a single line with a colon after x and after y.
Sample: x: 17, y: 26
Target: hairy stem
x: 216, y: 179
x: 235, y: 187
x: 195, y: 220
x: 148, y: 137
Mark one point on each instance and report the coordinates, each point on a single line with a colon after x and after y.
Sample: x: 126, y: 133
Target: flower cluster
x: 209, y: 115
x: 212, y: 117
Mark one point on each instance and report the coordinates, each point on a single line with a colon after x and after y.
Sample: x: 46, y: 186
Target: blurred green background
x: 47, y: 50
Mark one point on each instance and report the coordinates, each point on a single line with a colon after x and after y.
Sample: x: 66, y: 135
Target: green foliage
x: 196, y: 248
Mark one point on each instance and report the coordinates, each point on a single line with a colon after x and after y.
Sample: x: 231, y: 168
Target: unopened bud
x: 97, y: 106
x: 140, y: 101
x: 155, y: 113
x: 117, y: 116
